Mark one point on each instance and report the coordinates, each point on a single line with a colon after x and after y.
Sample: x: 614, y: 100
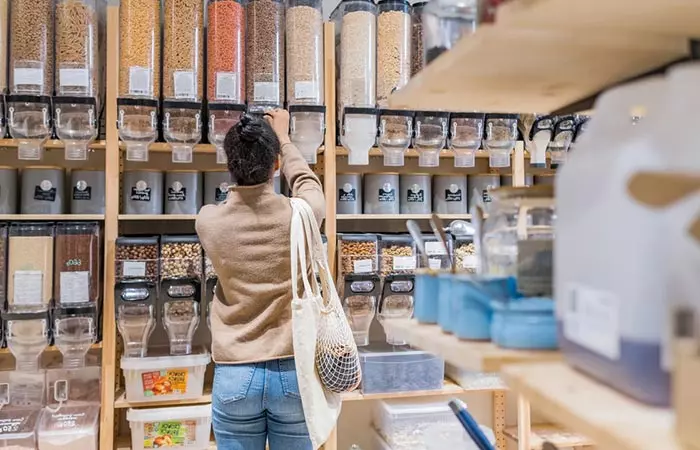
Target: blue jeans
x: 255, y: 403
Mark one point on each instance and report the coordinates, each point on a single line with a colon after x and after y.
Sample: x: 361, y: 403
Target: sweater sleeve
x: 303, y: 182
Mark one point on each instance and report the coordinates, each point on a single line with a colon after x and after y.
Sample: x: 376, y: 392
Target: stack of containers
x: 265, y: 74
x: 226, y: 81
x: 31, y: 75
x: 139, y: 75
x: 305, y: 90
x: 76, y: 103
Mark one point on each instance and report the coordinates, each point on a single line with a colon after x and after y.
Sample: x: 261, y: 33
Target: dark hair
x: 251, y: 148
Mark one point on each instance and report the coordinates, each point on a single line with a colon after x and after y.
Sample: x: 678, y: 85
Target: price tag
x: 139, y: 81
x: 435, y: 248
x: 470, y: 262
x: 404, y: 263
x: 435, y: 263
x: 134, y: 269
x: 183, y: 81
x: 75, y: 287
x: 28, y: 287
x: 227, y: 86
x: 362, y: 266
x: 304, y: 90
x: 24, y: 76
x: 265, y: 91
x: 74, y: 78
x: 221, y: 157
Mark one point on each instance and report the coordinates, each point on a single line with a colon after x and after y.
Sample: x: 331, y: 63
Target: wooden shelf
x: 577, y: 402
x: 144, y: 217
x: 124, y: 443
x: 51, y: 217
x: 400, y: 216
x: 52, y: 348
x: 411, y: 153
x: 52, y: 144
x: 539, y: 434
x: 468, y: 355
x: 449, y: 388
x: 164, y: 147
x: 121, y: 402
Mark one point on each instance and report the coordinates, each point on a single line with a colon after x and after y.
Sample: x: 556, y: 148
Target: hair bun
x: 249, y: 128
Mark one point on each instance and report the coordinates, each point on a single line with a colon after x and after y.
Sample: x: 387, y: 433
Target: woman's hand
x: 279, y: 121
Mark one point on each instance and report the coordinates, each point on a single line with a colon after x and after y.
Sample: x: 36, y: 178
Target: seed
x: 265, y: 52
x: 358, y: 60
x: 304, y: 55
x: 31, y: 46
x: 76, y: 46
x: 183, y: 48
x: 393, y: 53
x: 226, y: 51
x: 139, y: 48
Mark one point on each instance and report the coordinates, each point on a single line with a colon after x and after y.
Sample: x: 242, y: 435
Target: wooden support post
x: 499, y: 418
x: 523, y: 423
x: 519, y: 164
x: 329, y: 158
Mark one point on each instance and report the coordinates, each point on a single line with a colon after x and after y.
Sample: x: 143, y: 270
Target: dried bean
x: 139, y: 47
x: 265, y: 52
x: 76, y: 46
x: 31, y: 46
x: 226, y: 51
x: 358, y: 59
x: 393, y: 53
x: 181, y: 260
x: 461, y: 253
x: 304, y: 55
x: 183, y: 49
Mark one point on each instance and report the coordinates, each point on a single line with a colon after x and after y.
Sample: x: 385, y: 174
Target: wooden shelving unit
x: 52, y: 144
x: 49, y: 217
x: 52, y: 348
x: 541, y: 433
x: 151, y: 217
x: 121, y: 401
x: 400, y: 216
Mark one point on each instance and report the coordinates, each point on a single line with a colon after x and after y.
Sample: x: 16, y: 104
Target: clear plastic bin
x: 136, y: 258
x: 180, y: 258
x: 71, y: 428
x: 466, y: 133
x: 501, y: 134
x: 360, y: 301
x: 397, y: 254
x: 357, y: 253
x: 18, y: 428
x: 30, y: 266
x: 307, y: 129
x: 304, y: 52
x: 226, y: 51
x: 438, y: 255
x: 390, y: 369
x: 431, y: 133
x: 222, y: 117
x: 393, y: 47
x: 165, y: 378
x: 77, y: 263
x: 179, y: 427
x: 265, y: 77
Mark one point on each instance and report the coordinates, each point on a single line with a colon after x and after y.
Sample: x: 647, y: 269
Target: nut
x: 179, y: 311
x: 146, y: 253
x: 352, y: 251
x: 461, y: 253
x: 387, y: 258
x: 181, y: 260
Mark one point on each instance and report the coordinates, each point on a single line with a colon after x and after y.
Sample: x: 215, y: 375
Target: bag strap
x: 299, y: 238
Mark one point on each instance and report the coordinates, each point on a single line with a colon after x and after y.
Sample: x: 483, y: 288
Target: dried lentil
x: 183, y: 49
x: 393, y: 53
x: 76, y: 47
x: 265, y: 52
x: 358, y: 66
x: 304, y: 55
x: 32, y: 46
x: 226, y: 51
x: 139, y: 48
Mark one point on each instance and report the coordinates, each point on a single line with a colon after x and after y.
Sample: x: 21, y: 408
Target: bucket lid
x: 168, y: 414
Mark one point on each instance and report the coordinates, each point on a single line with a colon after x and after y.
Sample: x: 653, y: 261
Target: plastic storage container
x: 431, y: 133
x: 393, y: 47
x: 30, y: 266
x: 43, y: 189
x: 528, y: 323
x: 386, y: 369
x: 183, y: 192
x: 136, y: 314
x: 438, y: 255
x: 137, y: 258
x: 357, y: 253
x: 480, y: 187
x: 426, y: 305
x: 77, y: 263
x: 8, y: 190
x: 76, y: 104
x: 165, y: 378
x: 397, y: 254
x: 501, y: 132
x: 380, y: 193
x: 18, y: 428
x: 226, y: 51
x: 304, y: 37
x: 396, y: 302
x: 27, y: 335
x: 349, y: 200
x: 465, y: 258
x: 307, y: 129
x: 450, y: 194
x: 358, y: 133
x: 216, y: 183
x: 222, y: 117
x: 139, y: 75
x: 180, y: 427
x: 416, y: 193
x: 417, y: 38
x: 87, y: 192
x: 395, y: 133
x: 31, y: 74
x: 539, y: 137
x: 470, y: 309
x: 466, y: 133
x: 444, y: 23
x: 356, y: 34
x: 265, y: 54
x: 361, y: 293
x: 561, y: 140
x: 142, y: 191
x: 72, y: 427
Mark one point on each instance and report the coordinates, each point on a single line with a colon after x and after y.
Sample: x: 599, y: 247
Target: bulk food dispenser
x: 393, y: 47
x: 183, y: 75
x: 304, y: 38
x: 265, y: 74
x: 396, y: 302
x: 561, y: 140
x: 31, y: 75
x: 444, y: 23
x: 431, y: 133
x: 500, y: 135
x: 538, y: 139
x: 139, y: 76
x: 76, y: 103
x: 180, y: 289
x: 358, y: 133
x: 135, y: 291
x: 30, y: 267
x: 395, y: 133
x: 307, y: 129
x: 466, y: 133
x: 361, y: 295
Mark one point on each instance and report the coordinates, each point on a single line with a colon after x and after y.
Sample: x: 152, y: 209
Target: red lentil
x: 226, y: 50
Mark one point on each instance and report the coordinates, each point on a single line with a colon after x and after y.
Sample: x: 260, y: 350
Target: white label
x: 469, y: 262
x: 28, y: 287
x: 227, y: 86
x: 29, y: 76
x: 404, y: 262
x: 139, y: 80
x: 183, y: 80
x: 305, y: 90
x: 74, y: 77
x: 134, y: 268
x: 592, y: 320
x: 265, y: 91
x: 435, y: 263
x: 182, y: 154
x: 221, y: 157
x: 362, y: 266
x: 435, y: 248
x: 75, y: 287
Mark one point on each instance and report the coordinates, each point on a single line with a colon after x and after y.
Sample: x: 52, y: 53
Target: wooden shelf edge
x: 445, y: 153
x: 164, y: 147
x: 121, y: 401
x: 541, y: 433
x: 52, y: 217
x: 143, y: 217
x: 400, y: 216
x: 53, y: 144
x: 52, y: 348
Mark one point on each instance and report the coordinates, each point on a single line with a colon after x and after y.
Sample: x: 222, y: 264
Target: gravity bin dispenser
x: 396, y: 302
x: 361, y: 295
x: 222, y: 117
x: 359, y: 133
x: 307, y: 129
x: 466, y: 133
x: 395, y: 133
x: 431, y: 134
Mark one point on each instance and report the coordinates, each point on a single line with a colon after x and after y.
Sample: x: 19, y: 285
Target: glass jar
x: 538, y: 140
x: 431, y: 133
x: 356, y: 28
x: 307, y: 128
x: 76, y: 104
x: 500, y: 135
x: 30, y: 266
x: 466, y: 133
x: 561, y: 140
x: 444, y: 23
x: 396, y: 302
x: 359, y: 134
x: 226, y: 51
x: 136, y: 315
x: 395, y: 133
x: 139, y: 75
x: 393, y: 47
x: 360, y: 303
x: 518, y: 237
x: 265, y: 54
x: 77, y: 263
x: 304, y: 52
x: 417, y: 38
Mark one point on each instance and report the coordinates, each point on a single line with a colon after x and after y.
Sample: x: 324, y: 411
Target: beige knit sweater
x: 247, y: 239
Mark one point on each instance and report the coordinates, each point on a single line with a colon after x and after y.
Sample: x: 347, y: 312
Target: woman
x: 256, y: 396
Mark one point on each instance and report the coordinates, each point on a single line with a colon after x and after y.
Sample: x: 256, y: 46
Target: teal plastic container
x: 425, y: 300
x: 444, y: 296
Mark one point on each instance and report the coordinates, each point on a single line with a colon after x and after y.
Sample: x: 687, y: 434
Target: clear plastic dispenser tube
x: 222, y: 117
x: 431, y: 134
x: 395, y: 133
x: 73, y: 337
x: 27, y: 336
x: 307, y: 129
x: 501, y: 133
x: 359, y: 134
x: 466, y: 133
x: 561, y: 140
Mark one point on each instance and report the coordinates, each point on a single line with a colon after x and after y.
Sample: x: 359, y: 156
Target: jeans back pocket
x: 232, y: 382
x: 288, y: 378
